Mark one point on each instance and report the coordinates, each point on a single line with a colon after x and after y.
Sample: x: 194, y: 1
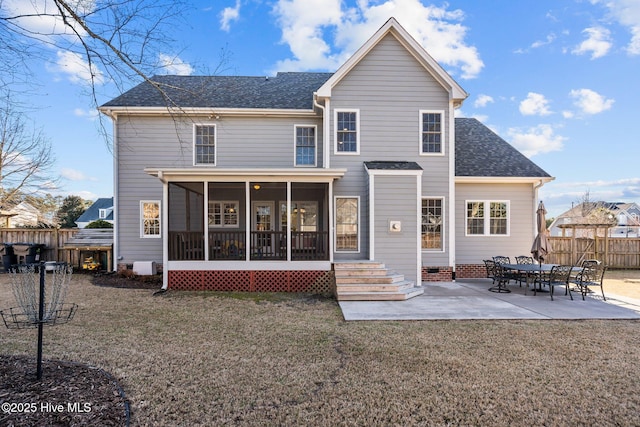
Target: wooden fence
x: 52, y: 239
x: 615, y: 252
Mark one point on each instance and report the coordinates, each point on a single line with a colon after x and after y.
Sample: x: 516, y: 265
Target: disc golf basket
x: 39, y: 290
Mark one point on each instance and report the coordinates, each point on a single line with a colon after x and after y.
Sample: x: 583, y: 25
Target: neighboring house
x: 616, y: 219
x: 101, y: 209
x: 247, y: 182
x: 21, y: 215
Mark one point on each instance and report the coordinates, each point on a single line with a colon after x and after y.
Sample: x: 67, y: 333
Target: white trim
x: 487, y: 218
x: 248, y: 265
x: 264, y: 175
x: 116, y: 197
x: 359, y: 224
x: 165, y: 234
x: 215, y: 144
x: 419, y: 228
x: 444, y: 228
x: 452, y: 187
x: 443, y: 133
x: 315, y: 145
x: 335, y: 131
x: 141, y: 219
x: 392, y: 26
x: 331, y: 223
x: 247, y: 220
x: 501, y: 180
x: 395, y: 172
x: 206, y: 112
x: 372, y: 215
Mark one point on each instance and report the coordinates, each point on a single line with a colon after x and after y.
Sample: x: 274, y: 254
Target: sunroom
x: 246, y: 219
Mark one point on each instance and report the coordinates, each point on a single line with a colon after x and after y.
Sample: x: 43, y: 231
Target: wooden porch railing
x: 265, y: 245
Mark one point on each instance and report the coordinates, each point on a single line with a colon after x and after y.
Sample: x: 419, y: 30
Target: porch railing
x: 265, y: 245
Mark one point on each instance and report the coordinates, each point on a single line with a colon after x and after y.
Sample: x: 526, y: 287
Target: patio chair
x: 592, y: 274
x: 559, y: 276
x: 490, y: 266
x: 524, y: 276
x: 500, y: 279
x: 509, y: 274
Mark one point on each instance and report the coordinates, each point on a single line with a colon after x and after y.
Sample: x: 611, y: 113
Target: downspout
x: 116, y: 246
x: 325, y: 131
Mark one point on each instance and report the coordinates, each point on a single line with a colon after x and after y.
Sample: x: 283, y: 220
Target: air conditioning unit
x: 144, y: 268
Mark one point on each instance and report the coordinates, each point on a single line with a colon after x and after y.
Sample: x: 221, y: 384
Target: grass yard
x: 200, y: 358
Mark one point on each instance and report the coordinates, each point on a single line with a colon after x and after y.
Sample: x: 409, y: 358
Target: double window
x: 305, y: 149
x: 432, y: 224
x: 204, y: 144
x: 149, y: 218
x: 487, y: 218
x: 347, y: 132
x: 431, y: 132
x: 224, y: 214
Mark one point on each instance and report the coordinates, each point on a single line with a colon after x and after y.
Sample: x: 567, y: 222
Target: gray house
x: 275, y: 183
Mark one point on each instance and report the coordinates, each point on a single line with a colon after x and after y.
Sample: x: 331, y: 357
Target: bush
x: 99, y: 224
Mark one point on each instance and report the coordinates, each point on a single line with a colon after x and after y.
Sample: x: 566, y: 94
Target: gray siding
x: 395, y: 200
x: 389, y: 88
x: 474, y: 249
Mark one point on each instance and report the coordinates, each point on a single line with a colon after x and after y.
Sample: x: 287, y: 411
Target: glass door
x: 262, y: 226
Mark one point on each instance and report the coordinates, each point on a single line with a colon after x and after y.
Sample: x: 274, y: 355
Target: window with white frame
x: 304, y: 216
x: 431, y: 132
x: 305, y: 145
x: 347, y: 132
x: 432, y: 224
x: 347, y: 224
x: 204, y: 144
x: 224, y: 214
x: 487, y: 218
x: 103, y: 213
x: 149, y: 218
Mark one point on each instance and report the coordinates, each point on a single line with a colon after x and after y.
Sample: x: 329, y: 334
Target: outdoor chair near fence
x: 524, y: 276
x: 591, y: 275
x: 558, y: 276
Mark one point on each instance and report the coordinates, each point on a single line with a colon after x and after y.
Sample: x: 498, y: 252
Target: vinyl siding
x: 395, y: 200
x: 474, y: 249
x: 389, y: 88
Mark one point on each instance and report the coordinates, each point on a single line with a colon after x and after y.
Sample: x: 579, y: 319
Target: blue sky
x: 556, y: 79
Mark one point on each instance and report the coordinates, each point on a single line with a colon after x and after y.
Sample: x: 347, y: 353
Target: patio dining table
x: 529, y: 270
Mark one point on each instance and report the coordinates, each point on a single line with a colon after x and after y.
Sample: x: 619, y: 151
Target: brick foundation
x: 437, y: 274
x: 317, y: 282
x: 470, y: 271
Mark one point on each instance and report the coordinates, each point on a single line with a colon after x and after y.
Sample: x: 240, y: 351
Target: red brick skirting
x: 470, y: 271
x: 437, y: 274
x: 317, y: 282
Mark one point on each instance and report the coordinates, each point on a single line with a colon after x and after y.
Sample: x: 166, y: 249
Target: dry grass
x: 198, y: 358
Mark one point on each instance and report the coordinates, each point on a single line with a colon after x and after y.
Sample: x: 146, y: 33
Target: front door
x: 262, y: 227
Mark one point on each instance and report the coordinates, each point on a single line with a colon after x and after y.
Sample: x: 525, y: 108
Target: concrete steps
x: 371, y: 281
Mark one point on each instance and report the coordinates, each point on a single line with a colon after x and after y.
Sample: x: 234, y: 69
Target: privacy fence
x: 615, y: 252
x: 52, y: 239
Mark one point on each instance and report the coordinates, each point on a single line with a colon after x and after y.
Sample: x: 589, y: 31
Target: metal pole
x: 40, y: 322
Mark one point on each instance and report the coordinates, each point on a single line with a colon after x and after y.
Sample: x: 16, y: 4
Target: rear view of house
x: 272, y: 183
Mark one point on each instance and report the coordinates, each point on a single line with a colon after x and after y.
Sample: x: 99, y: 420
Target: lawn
x: 201, y: 358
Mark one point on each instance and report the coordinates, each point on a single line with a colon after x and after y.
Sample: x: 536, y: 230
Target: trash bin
x: 8, y: 256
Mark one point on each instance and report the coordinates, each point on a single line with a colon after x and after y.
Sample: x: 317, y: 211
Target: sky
x: 556, y: 79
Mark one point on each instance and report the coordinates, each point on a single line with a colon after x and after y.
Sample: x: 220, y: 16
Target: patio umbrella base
x: 499, y: 289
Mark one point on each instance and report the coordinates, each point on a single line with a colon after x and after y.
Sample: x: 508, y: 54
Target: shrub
x: 100, y: 223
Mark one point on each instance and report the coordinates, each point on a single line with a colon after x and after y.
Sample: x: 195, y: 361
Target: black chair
x: 592, y: 274
x: 500, y: 279
x: 509, y: 274
x: 559, y: 276
x: 526, y: 276
x: 490, y: 266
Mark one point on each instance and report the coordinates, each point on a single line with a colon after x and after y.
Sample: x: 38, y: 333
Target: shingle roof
x: 392, y: 165
x: 284, y: 91
x: 480, y: 152
x: 93, y: 212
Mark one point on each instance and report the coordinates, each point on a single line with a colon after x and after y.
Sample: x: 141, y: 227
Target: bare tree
x: 25, y: 157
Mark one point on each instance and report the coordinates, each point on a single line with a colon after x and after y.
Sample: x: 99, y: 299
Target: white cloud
x: 626, y: 13
x: 310, y: 27
x: 228, y: 15
x: 75, y: 175
x: 598, y: 42
x: 539, y: 43
x: 41, y: 17
x: 590, y: 102
x: 174, y: 65
x: 482, y: 101
x: 535, y: 105
x: 536, y: 140
x: 90, y: 114
x: 76, y: 68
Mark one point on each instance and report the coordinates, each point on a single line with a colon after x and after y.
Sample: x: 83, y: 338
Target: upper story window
x: 305, y: 145
x: 204, y: 144
x: 347, y: 137
x: 431, y: 132
x: 103, y: 213
x: 487, y: 218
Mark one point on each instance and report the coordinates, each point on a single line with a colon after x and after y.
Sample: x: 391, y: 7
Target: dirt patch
x: 68, y: 394
x: 127, y: 281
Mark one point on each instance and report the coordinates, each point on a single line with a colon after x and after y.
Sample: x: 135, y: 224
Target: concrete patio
x: 469, y: 299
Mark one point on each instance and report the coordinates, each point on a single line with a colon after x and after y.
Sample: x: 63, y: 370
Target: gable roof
x: 284, y: 91
x: 431, y: 65
x: 93, y: 212
x: 482, y: 153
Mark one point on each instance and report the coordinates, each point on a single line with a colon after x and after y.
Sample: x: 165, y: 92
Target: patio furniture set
x: 525, y: 270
